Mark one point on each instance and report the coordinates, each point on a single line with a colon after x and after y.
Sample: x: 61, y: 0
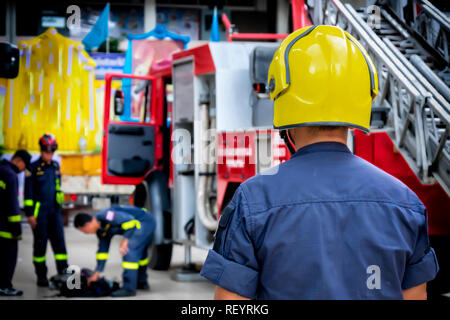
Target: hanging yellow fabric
x: 54, y: 92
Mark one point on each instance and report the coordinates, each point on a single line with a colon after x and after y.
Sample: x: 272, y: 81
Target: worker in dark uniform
x: 137, y: 227
x: 42, y: 201
x: 325, y: 224
x: 10, y: 218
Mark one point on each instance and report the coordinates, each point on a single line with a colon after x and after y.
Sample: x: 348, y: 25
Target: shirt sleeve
x: 232, y: 263
x: 118, y: 217
x: 59, y: 194
x: 14, y: 214
x: 28, y: 201
x: 58, y: 178
x: 422, y: 265
x: 129, y: 224
x: 102, y: 253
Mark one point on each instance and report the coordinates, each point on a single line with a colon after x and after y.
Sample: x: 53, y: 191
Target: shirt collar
x: 322, y: 147
x: 42, y: 163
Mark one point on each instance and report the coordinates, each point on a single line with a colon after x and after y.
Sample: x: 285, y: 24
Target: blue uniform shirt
x: 42, y: 182
x: 324, y: 225
x: 133, y: 223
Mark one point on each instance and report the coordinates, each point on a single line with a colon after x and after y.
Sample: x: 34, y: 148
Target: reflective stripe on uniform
x: 39, y: 259
x: 28, y: 202
x: 130, y: 265
x: 58, y: 184
x: 143, y: 262
x: 131, y: 224
x: 102, y: 256
x: 36, y: 209
x: 2, y: 184
x: 60, y: 197
x: 16, y: 218
x: 60, y: 256
x: 6, y: 235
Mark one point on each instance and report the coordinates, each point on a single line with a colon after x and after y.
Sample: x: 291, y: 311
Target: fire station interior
x: 165, y: 106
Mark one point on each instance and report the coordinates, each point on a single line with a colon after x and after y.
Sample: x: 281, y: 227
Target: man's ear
x: 284, y: 135
x: 291, y: 135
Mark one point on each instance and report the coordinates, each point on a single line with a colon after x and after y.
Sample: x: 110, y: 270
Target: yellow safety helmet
x: 321, y: 75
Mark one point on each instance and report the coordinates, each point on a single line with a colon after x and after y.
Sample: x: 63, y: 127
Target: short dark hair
x: 81, y: 219
x: 317, y: 129
x: 24, y: 155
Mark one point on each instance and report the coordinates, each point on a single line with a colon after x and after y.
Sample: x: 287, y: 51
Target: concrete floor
x: 81, y: 251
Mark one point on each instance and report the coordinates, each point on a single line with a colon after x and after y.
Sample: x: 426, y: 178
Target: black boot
x: 123, y: 293
x: 61, y: 266
x: 41, y: 273
x: 42, y: 282
x: 10, y: 292
x: 143, y: 286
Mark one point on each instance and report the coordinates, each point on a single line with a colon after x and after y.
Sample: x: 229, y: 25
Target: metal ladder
x: 419, y: 115
x: 428, y: 61
x: 433, y: 26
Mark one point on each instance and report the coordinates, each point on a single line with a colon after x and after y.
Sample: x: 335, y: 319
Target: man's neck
x: 303, y: 137
x: 305, y: 143
x: 46, y: 162
x: 97, y: 224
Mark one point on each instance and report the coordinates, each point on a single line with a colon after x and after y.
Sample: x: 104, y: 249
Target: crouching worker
x: 137, y: 227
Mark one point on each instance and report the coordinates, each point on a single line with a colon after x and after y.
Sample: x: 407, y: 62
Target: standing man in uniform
x: 137, y: 227
x: 326, y: 224
x: 10, y: 219
x: 43, y: 201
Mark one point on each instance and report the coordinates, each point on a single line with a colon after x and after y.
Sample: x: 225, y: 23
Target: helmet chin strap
x: 284, y: 134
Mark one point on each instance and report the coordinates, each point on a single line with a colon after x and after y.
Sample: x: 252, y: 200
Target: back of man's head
x: 81, y: 219
x: 24, y: 156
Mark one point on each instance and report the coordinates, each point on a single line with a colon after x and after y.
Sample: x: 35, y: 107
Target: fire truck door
x: 129, y: 146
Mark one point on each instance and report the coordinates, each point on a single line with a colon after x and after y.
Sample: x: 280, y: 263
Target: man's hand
x: 93, y: 278
x: 124, y: 247
x: 32, y: 222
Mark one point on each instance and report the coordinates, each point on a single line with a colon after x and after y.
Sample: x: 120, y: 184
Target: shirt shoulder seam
x: 417, y: 208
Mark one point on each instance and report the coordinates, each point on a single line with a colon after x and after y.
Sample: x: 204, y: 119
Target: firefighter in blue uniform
x: 42, y: 201
x: 136, y: 225
x: 325, y: 224
x: 10, y: 219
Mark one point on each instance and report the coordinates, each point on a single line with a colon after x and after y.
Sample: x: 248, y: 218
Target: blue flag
x: 215, y: 31
x: 99, y: 32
